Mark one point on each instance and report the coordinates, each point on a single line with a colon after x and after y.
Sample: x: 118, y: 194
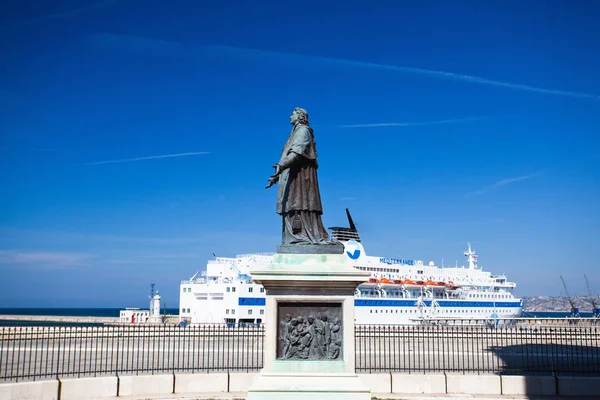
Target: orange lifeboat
x: 420, y: 283
x: 430, y: 283
x: 385, y: 280
x: 408, y: 282
x: 398, y: 281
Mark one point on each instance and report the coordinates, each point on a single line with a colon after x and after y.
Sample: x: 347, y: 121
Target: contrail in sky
x: 507, y: 181
x: 511, y: 180
x: 422, y: 71
x: 424, y: 123
x: 502, y: 183
x: 149, y: 43
x: 144, y: 158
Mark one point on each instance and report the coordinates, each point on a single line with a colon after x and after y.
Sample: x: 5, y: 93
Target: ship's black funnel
x: 350, y: 222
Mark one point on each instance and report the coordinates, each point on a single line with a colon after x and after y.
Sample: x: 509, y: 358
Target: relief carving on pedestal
x: 311, y: 331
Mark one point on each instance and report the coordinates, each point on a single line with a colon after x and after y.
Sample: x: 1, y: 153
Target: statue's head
x: 299, y: 115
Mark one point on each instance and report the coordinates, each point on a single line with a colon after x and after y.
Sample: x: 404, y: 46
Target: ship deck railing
x: 267, y: 254
x: 197, y: 280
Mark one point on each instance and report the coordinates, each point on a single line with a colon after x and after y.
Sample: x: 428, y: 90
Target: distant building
x: 134, y: 316
x: 155, y: 309
x: 137, y: 316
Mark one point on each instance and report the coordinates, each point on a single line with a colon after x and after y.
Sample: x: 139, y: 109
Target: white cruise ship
x: 399, y: 292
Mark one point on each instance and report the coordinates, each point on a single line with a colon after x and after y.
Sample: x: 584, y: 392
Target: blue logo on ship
x: 354, y: 255
x: 352, y: 249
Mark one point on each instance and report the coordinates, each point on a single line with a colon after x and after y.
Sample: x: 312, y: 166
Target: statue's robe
x: 299, y: 199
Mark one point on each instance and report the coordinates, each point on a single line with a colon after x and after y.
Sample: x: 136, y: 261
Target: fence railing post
x: 519, y: 346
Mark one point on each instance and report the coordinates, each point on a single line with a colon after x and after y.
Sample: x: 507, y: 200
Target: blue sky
x: 437, y: 123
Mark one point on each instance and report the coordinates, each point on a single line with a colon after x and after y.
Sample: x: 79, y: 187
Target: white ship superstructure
x: 400, y: 291
x: 225, y: 292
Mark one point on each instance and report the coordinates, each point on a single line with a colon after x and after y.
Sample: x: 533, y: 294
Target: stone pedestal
x: 308, y: 288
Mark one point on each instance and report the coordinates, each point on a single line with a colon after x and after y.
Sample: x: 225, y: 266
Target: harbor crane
x: 574, y: 308
x: 595, y: 299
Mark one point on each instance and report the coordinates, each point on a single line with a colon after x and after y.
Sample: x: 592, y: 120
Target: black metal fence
x: 28, y: 353
x: 523, y: 347
x: 517, y: 347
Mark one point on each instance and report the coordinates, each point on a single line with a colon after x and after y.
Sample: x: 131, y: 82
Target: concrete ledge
x: 88, y: 388
x: 452, y: 384
x: 201, y: 383
x: 145, y: 384
x: 302, y: 386
x: 45, y: 390
x: 472, y: 384
x: 419, y: 383
x: 240, y: 381
x: 528, y: 385
x: 378, y: 383
x: 578, y: 386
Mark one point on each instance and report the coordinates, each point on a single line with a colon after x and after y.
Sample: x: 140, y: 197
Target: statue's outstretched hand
x: 275, y: 177
x: 272, y: 180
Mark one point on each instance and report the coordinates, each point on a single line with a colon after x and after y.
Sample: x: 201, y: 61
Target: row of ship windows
x: 399, y: 295
x: 250, y: 289
x: 228, y: 289
x: 227, y: 311
x: 396, y: 294
x: 378, y: 269
x: 440, y: 311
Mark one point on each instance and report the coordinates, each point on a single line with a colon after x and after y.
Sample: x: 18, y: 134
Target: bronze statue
x: 298, y: 198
